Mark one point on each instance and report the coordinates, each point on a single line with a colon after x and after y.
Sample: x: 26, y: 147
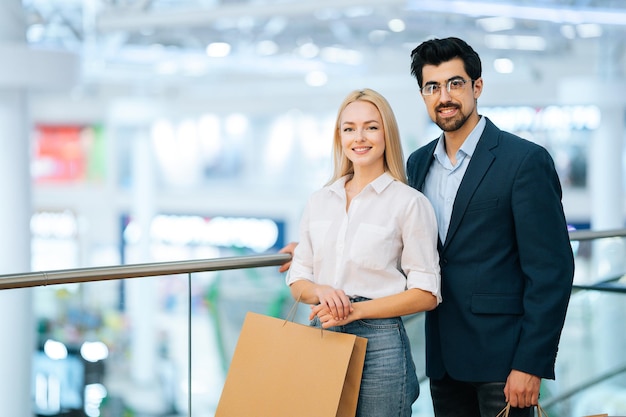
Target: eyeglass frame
x: 448, y: 84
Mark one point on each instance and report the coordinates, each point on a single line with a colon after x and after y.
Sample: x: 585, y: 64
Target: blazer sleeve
x: 546, y: 259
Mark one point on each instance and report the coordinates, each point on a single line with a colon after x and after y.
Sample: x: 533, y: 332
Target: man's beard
x: 451, y: 124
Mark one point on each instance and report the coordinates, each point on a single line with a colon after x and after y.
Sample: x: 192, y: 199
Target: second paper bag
x: 285, y: 369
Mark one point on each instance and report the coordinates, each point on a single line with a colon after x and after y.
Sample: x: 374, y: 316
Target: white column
x: 142, y: 294
x: 607, y: 149
x: 16, y: 318
x: 22, y: 70
x: 605, y: 163
x: 16, y: 323
x: 137, y: 116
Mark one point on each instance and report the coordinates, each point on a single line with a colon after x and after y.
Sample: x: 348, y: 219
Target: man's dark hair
x: 437, y: 51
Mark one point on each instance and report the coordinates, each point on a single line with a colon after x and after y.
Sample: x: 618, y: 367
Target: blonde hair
x: 393, y: 157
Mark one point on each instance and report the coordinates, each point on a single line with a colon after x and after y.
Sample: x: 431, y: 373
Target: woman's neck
x: 361, y: 178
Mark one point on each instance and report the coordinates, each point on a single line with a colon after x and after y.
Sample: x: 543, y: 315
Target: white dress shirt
x: 384, y: 244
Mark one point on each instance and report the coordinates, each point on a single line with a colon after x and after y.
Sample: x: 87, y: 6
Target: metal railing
x: 608, y: 284
x: 580, y: 235
x: 77, y: 275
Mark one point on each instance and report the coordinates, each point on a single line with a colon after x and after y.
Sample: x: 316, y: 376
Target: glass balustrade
x: 160, y: 346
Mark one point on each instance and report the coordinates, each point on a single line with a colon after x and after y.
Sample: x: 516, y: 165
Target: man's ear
x: 478, y: 87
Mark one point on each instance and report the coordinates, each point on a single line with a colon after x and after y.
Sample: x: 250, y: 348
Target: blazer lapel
x: 481, y: 160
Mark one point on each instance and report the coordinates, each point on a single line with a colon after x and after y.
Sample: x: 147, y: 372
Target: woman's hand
x: 333, y: 304
x: 289, y: 248
x: 326, y: 318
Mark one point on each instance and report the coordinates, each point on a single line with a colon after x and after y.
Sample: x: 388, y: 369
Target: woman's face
x: 362, y: 134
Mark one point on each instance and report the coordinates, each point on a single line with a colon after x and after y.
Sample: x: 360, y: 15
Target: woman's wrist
x: 355, y: 312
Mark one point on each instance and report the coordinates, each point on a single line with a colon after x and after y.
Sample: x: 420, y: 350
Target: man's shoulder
x: 518, y: 144
x: 508, y: 139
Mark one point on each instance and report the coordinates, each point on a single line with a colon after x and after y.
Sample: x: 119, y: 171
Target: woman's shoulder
x: 327, y: 191
x: 404, y: 190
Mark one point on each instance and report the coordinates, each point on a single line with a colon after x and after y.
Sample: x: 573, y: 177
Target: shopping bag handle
x: 291, y: 315
x: 541, y: 412
x: 505, y: 411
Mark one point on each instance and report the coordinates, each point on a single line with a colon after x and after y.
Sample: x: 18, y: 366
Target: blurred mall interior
x: 139, y: 131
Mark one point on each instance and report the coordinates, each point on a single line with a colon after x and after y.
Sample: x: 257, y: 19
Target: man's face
x: 450, y: 110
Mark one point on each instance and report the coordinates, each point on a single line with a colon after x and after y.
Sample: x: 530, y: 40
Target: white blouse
x: 385, y: 243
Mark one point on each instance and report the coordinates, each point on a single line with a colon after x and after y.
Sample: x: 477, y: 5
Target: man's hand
x: 291, y: 246
x: 522, y: 389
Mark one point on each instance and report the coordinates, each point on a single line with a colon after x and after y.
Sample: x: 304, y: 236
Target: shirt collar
x: 379, y: 184
x: 382, y: 182
x: 469, y: 145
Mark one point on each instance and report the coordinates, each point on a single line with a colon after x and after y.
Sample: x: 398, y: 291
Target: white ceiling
x: 157, y: 48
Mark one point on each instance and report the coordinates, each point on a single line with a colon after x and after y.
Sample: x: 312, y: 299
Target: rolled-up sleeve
x: 302, y: 262
x: 420, y: 259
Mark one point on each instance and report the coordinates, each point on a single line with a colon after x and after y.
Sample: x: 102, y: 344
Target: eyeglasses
x: 454, y: 87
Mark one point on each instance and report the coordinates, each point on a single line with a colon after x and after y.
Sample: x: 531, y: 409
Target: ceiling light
x: 498, y: 42
x: 35, y: 33
x: 377, y: 36
x: 194, y: 65
x: 568, y: 31
x: 358, y: 11
x: 589, y: 30
x: 266, y: 48
x: 327, y: 14
x: 316, y: 78
x: 530, y: 43
x: 541, y: 13
x: 218, y: 49
x: 245, y: 23
x: 503, y: 65
x: 308, y: 50
x: 524, y: 43
x: 275, y: 26
x: 337, y: 55
x: 496, y: 24
x: 167, y: 67
x: 396, y: 25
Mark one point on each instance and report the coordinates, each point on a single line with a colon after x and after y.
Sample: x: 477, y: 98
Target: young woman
x: 367, y: 253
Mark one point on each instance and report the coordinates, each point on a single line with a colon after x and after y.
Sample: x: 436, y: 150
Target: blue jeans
x: 389, y: 384
x: 452, y: 398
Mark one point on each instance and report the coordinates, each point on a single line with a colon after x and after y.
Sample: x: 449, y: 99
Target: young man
x: 506, y: 261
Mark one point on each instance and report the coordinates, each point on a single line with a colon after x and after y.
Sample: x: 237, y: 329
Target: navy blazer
x: 506, y: 265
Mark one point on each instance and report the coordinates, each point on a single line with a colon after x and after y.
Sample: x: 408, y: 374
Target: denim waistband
x: 357, y: 299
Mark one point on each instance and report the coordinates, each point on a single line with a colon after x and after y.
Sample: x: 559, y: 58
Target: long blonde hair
x: 394, y: 157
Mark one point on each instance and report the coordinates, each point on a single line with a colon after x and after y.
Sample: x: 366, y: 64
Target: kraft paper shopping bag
x: 285, y: 369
